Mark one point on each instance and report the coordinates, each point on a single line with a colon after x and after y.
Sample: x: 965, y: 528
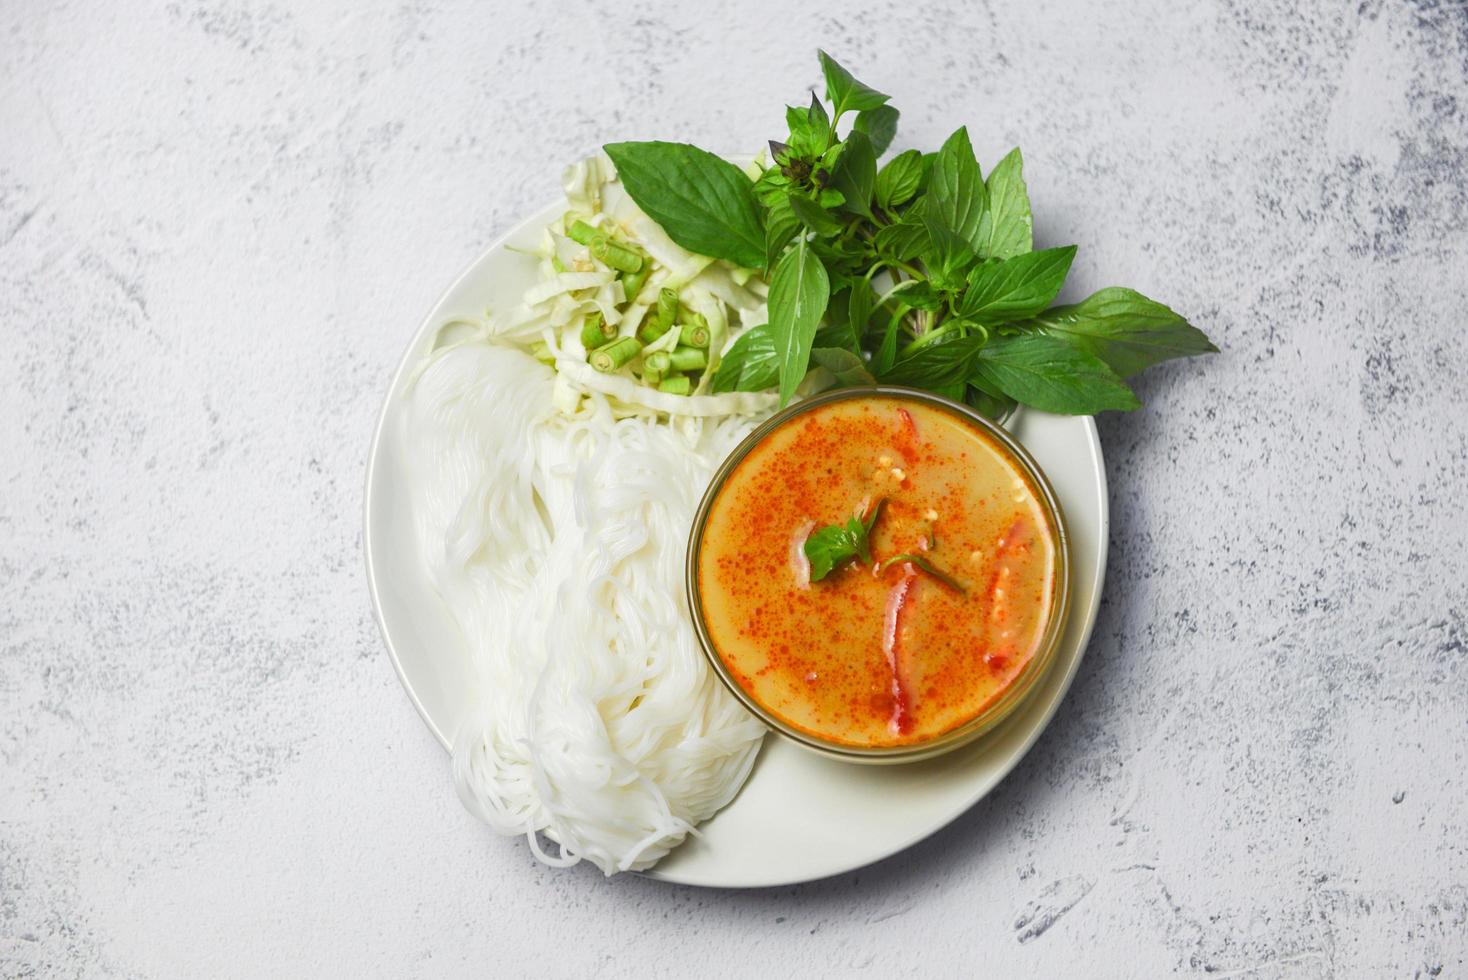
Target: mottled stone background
x: 219, y: 223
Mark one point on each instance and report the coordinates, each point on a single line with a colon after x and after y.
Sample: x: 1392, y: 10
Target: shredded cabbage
x: 575, y: 284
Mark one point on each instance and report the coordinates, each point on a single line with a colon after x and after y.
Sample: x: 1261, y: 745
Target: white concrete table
x: 219, y: 222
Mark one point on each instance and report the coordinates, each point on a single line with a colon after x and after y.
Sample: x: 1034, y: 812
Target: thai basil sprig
x: 918, y: 272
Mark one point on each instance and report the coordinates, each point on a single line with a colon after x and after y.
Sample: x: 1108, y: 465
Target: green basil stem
x: 677, y: 384
x: 612, y: 356
x: 926, y: 566
x: 689, y: 359
x: 694, y: 335
x: 594, y: 331
x: 614, y: 254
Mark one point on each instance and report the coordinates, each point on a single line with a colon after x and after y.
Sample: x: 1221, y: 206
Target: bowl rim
x: 1009, y: 698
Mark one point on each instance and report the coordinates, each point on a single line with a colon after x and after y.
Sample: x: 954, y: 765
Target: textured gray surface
x: 218, y: 225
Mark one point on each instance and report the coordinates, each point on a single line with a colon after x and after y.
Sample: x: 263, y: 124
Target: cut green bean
x: 667, y: 307
x: 659, y: 361
x: 678, y: 384
x: 632, y: 282
x: 595, y: 332
x: 582, y: 232
x: 614, y: 355
x: 650, y: 330
x: 689, y: 359
x: 694, y: 335
x: 614, y: 254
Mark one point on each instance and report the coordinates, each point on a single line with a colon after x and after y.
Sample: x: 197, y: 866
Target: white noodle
x: 558, y: 542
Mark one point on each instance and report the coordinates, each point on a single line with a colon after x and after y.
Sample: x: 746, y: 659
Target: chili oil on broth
x: 867, y: 658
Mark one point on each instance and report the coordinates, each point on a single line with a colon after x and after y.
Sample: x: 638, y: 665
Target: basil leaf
x: 1007, y: 229
x: 859, y: 311
x: 956, y: 191
x: 906, y: 238
x: 1051, y: 375
x: 886, y: 354
x: 844, y: 92
x: 1125, y: 329
x: 810, y: 129
x: 859, y: 534
x: 948, y: 257
x: 834, y: 544
x: 855, y: 175
x: 898, y: 179
x: 813, y: 216
x: 946, y: 361
x: 705, y: 204
x: 750, y: 363
x: 991, y: 404
x: 844, y: 365
x: 1015, y: 288
x: 799, y: 291
x: 781, y: 224
x: 880, y: 124
x: 771, y: 187
x: 830, y: 546
x: 927, y: 178
x: 920, y: 295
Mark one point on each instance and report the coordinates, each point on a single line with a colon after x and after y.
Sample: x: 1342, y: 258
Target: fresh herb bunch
x: 917, y: 272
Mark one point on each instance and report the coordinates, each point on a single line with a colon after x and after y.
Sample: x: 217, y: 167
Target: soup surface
x: 913, y: 631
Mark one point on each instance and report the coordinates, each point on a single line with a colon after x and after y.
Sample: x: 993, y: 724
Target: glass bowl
x: 1008, y: 699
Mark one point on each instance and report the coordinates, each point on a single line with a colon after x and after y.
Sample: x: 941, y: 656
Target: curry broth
x: 866, y: 657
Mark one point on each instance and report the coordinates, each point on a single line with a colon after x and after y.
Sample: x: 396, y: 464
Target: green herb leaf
x: 1015, y: 288
x: 880, y: 124
x: 1051, y: 375
x: 705, y: 204
x: 898, y: 179
x: 989, y: 403
x: 886, y: 354
x: 956, y: 191
x: 781, y: 224
x: 921, y: 295
x: 927, y: 566
x: 836, y: 331
x: 948, y: 256
x: 846, y: 367
x: 859, y: 311
x: 771, y: 187
x: 1007, y: 227
x: 855, y: 175
x: 904, y: 239
x: 750, y: 363
x: 946, y: 360
x: 836, y: 544
x: 844, y: 92
x: 828, y: 547
x: 799, y: 291
x: 813, y: 216
x: 1125, y: 329
x: 810, y: 129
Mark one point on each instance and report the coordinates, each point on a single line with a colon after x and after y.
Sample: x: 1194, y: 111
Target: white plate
x: 800, y: 816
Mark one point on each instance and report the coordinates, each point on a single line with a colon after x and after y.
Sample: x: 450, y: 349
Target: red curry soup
x: 906, y: 635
